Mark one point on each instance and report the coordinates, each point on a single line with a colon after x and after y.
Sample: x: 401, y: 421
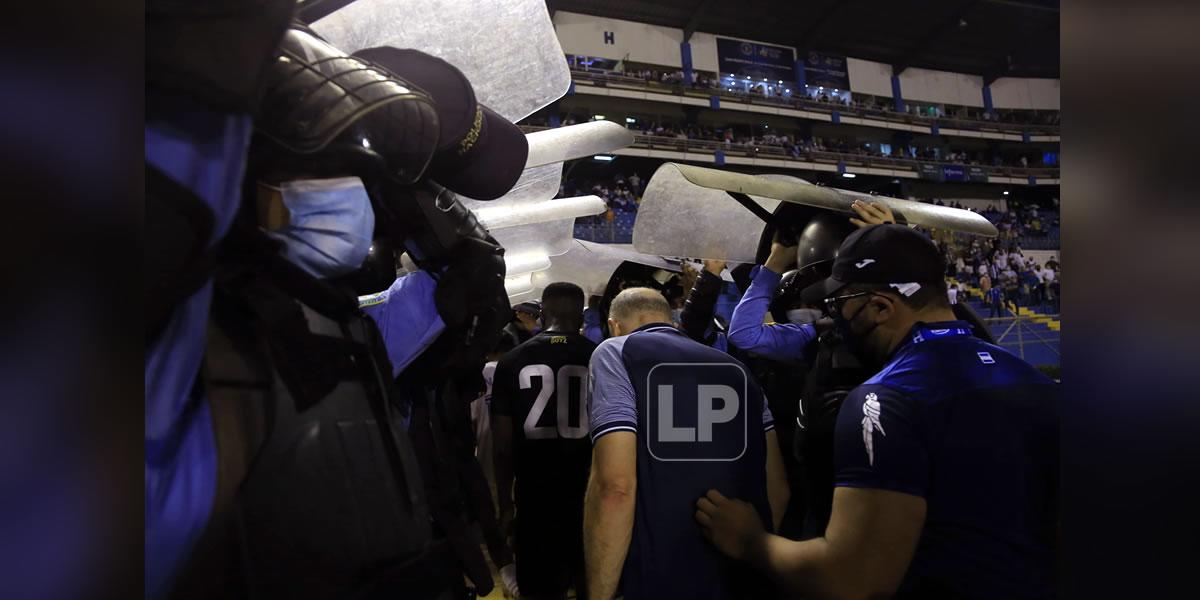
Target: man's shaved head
x: 635, y: 307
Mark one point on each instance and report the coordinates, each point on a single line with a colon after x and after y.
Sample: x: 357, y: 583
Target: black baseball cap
x: 480, y: 153
x: 530, y: 308
x: 881, y: 254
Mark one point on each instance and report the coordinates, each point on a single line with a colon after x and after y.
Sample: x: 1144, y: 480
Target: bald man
x: 669, y: 418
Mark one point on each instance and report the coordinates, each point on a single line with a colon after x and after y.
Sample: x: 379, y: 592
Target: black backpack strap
x: 176, y: 261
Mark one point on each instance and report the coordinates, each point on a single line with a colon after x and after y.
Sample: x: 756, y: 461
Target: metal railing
x: 805, y: 103
x: 816, y: 156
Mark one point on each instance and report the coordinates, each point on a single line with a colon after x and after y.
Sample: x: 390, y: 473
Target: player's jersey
x: 543, y: 385
x: 700, y: 419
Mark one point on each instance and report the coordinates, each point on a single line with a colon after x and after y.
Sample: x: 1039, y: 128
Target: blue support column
x: 571, y: 89
x: 987, y: 100
x: 801, y: 78
x: 835, y: 117
x: 1025, y: 137
x: 841, y: 167
x: 719, y: 158
x: 897, y: 97
x: 933, y: 129
x: 685, y: 57
x: 714, y: 102
x: 555, y: 121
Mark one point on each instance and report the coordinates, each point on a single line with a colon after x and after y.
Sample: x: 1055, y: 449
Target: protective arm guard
x: 697, y: 314
x: 325, y: 113
x: 444, y: 238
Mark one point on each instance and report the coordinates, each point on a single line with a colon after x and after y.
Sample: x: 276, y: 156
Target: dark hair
x: 563, y: 301
x: 562, y: 291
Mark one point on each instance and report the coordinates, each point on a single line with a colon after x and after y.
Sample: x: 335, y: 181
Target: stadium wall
x: 617, y: 39
x: 586, y: 35
x: 1019, y: 92
x: 941, y: 87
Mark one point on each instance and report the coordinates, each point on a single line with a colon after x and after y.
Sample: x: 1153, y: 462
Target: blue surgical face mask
x: 330, y: 225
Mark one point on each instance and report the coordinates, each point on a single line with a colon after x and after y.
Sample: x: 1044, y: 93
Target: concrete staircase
x: 1034, y: 336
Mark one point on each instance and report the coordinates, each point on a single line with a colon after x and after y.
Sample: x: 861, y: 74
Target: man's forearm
x: 778, y: 492
x: 746, y: 324
x: 805, y: 568
x: 607, y: 531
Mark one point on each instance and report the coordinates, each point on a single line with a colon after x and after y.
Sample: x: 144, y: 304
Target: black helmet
x: 326, y: 112
x: 787, y: 295
x: 821, y: 237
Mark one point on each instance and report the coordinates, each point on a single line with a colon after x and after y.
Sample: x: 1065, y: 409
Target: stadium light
x: 849, y: 175
x: 598, y: 118
x: 788, y: 90
x: 630, y: 120
x: 1005, y: 192
x: 604, y: 158
x: 781, y: 82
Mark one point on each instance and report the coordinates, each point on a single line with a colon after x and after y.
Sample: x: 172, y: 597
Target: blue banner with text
x: 826, y: 70
x: 751, y: 59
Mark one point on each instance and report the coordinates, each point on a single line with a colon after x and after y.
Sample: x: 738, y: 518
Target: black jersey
x: 543, y: 386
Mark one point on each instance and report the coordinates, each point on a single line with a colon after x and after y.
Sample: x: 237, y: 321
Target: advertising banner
x: 954, y: 172
x: 752, y: 59
x: 932, y: 172
x: 826, y: 70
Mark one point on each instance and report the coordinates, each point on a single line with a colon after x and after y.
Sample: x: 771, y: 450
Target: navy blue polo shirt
x: 973, y: 430
x: 701, y: 422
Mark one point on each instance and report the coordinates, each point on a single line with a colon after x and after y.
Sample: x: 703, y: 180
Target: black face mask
x: 854, y: 341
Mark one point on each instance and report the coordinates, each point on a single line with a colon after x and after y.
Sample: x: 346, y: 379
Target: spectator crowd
x: 1005, y: 277
x: 704, y: 80
x: 797, y: 145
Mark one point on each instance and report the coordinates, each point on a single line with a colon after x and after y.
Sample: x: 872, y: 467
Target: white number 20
x: 551, y: 383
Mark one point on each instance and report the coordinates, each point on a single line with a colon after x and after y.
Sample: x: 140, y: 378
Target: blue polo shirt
x: 973, y: 430
x: 701, y: 422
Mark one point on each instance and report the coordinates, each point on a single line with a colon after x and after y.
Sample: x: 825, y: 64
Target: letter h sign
x: 697, y: 412
x: 610, y: 38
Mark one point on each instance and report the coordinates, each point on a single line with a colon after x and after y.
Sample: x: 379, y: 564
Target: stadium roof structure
x: 992, y: 38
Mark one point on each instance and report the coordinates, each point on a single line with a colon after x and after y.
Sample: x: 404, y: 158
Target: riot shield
x: 508, y: 49
x: 695, y: 212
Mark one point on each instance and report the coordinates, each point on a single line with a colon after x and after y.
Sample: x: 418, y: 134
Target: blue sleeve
x: 780, y: 341
x: 613, y: 403
x: 591, y: 325
x: 406, y: 316
x: 880, y: 443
